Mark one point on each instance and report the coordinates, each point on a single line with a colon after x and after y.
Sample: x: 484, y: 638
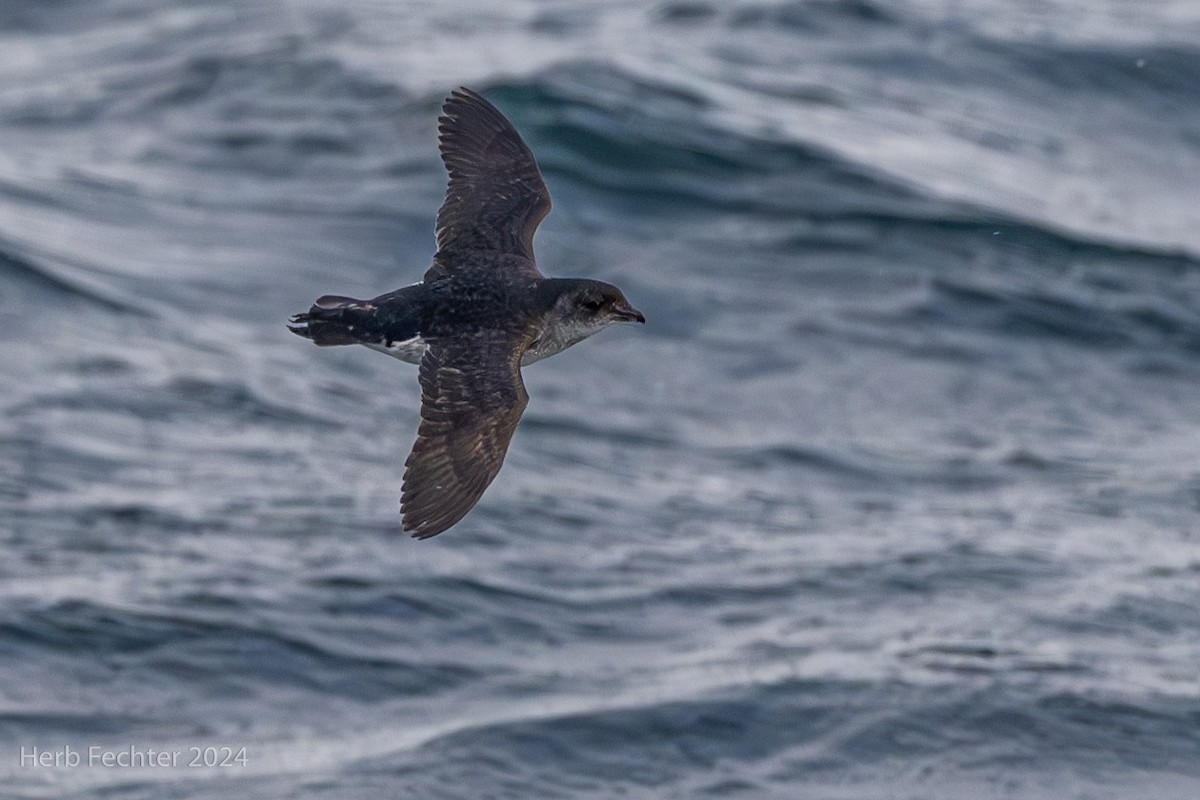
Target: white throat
x: 558, y: 334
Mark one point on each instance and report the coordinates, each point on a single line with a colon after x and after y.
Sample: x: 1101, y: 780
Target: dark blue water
x: 897, y: 494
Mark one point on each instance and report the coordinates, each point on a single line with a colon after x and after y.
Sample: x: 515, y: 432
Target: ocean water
x: 896, y: 495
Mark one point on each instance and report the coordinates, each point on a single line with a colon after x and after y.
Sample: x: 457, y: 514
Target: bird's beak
x: 628, y: 313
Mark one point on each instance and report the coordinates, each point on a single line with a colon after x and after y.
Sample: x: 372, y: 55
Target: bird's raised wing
x: 471, y: 400
x: 496, y: 196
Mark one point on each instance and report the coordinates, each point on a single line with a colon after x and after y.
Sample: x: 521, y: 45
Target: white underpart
x: 409, y: 351
x: 555, y: 338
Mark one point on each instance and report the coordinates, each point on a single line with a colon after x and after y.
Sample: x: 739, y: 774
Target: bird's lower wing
x: 472, y: 397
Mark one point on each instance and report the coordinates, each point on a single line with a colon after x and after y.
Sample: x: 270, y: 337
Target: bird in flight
x: 481, y: 312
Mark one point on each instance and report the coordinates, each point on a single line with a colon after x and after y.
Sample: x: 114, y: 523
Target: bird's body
x: 481, y: 312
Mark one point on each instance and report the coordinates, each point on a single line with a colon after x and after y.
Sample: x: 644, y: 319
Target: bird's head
x: 597, y: 304
x: 580, y: 308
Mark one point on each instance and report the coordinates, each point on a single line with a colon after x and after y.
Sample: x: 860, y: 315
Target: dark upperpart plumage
x: 481, y: 311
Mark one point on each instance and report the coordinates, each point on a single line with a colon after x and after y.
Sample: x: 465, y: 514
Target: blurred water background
x: 897, y: 494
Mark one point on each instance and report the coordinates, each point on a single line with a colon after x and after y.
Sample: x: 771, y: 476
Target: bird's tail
x: 332, y: 320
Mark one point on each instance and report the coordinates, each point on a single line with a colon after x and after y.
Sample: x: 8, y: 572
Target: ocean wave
x: 207, y: 642
x: 668, y: 157
x: 814, y: 16
x: 804, y: 731
x: 1066, y: 313
x: 651, y: 145
x: 47, y: 282
x: 183, y: 398
x: 1154, y: 76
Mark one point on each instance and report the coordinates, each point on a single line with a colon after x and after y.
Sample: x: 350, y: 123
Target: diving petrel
x: 481, y: 312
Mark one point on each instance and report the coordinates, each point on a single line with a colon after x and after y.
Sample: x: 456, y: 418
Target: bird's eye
x: 593, y: 305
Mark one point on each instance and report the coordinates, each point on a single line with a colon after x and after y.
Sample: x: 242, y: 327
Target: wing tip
x: 424, y: 528
x: 424, y: 517
x: 459, y: 100
x: 464, y: 93
x: 421, y: 535
x: 460, y: 95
